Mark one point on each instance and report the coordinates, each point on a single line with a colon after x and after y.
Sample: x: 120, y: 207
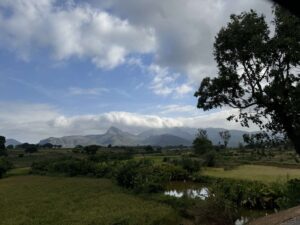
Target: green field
x: 32, y: 200
x: 254, y: 172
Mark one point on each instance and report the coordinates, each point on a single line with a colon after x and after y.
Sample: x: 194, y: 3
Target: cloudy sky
x: 78, y: 67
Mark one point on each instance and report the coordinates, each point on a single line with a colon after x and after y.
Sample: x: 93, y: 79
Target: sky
x: 78, y: 67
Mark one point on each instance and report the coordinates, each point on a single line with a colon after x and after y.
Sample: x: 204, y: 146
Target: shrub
x: 91, y: 149
x: 190, y: 165
x: 67, y: 166
x: 5, y: 165
x: 210, y: 159
x: 111, y: 156
x: 291, y: 194
x: 216, y: 209
x: 251, y: 194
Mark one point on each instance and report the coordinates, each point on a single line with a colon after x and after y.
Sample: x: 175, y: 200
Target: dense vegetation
x: 257, y: 73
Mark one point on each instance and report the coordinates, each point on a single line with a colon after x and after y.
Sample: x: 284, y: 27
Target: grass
x: 34, y: 200
x: 18, y: 171
x: 255, y: 172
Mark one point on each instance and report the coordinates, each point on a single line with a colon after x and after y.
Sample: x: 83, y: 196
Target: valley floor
x: 33, y: 200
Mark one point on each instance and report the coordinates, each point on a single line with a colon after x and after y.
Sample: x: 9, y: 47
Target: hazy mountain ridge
x: 160, y: 137
x: 11, y: 141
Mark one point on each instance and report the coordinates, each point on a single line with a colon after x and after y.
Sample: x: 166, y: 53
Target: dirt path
x: 287, y: 217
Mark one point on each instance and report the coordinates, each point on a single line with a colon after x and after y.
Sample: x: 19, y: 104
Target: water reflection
x: 191, y: 193
x: 201, y: 193
x: 241, y: 221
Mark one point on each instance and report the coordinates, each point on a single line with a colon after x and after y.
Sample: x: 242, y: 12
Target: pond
x: 191, y: 193
x: 198, y: 191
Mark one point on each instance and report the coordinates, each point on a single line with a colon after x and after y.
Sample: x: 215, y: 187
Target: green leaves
x: 258, y: 73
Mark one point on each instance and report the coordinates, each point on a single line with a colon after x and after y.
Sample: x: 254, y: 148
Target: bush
x: 91, y: 149
x: 5, y: 165
x: 144, y: 176
x: 251, y: 194
x: 216, y: 210
x: 210, y: 159
x: 111, y: 156
x: 291, y: 194
x: 67, y: 166
x: 190, y: 165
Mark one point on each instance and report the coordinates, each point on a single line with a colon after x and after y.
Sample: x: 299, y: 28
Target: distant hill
x: 166, y: 140
x: 11, y: 141
x: 159, y: 137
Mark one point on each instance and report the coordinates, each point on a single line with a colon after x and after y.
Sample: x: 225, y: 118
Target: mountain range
x: 11, y: 141
x: 157, y: 137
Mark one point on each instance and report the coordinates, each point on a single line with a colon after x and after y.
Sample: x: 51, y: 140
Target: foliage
x: 111, y: 156
x: 225, y: 136
x: 257, y: 73
x: 292, y: 194
x: 149, y: 149
x: 216, y: 210
x: 91, y: 149
x: 202, y: 144
x: 2, y: 146
x: 47, y: 145
x: 210, y: 159
x: 28, y: 148
x: 5, y: 165
x: 10, y: 147
x: 188, y: 164
x: 144, y: 176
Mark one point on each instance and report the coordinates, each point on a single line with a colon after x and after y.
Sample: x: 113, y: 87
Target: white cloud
x: 163, y: 81
x: 185, y: 29
x: 32, y: 122
x: 87, y: 91
x: 174, y: 108
x: 71, y: 30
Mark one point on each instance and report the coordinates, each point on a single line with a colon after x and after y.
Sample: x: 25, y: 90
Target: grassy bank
x: 254, y: 172
x: 32, y: 200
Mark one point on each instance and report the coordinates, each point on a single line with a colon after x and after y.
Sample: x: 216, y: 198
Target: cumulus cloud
x: 71, y: 30
x: 184, y: 29
x: 32, y: 122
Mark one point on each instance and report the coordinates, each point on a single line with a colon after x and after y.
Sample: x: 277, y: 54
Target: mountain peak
x: 114, y: 130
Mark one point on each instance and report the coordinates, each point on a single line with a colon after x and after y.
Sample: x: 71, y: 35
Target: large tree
x: 258, y: 73
x: 2, y: 146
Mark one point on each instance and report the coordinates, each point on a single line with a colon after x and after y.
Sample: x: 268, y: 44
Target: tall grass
x: 33, y: 200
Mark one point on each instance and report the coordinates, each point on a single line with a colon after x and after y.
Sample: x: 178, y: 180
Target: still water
x: 195, y: 192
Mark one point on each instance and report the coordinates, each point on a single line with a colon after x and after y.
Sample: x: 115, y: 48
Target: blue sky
x: 78, y: 67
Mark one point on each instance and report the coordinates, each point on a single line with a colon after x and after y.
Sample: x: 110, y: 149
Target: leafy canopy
x: 258, y: 73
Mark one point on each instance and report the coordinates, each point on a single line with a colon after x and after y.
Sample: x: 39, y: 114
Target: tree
x: 91, y: 149
x: 3, y: 151
x: 202, y: 144
x: 257, y: 73
x: 149, y: 149
x: 28, y: 148
x: 47, y: 145
x: 225, y: 136
x: 10, y: 147
x: 5, y: 165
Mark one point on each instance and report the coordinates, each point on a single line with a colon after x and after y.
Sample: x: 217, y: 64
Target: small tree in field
x: 225, y: 136
x: 91, y: 149
x: 202, y: 144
